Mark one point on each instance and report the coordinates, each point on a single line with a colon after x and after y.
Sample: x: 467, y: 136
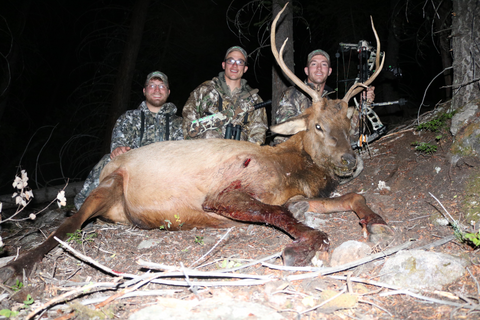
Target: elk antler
x: 312, y: 93
x: 356, y: 88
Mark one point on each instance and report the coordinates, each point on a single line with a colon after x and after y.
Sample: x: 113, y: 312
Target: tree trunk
x: 284, y: 30
x: 123, y: 84
x: 443, y: 22
x: 466, y: 63
x: 391, y: 59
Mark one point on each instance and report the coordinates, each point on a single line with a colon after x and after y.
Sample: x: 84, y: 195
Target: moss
x: 84, y: 312
x: 471, y: 202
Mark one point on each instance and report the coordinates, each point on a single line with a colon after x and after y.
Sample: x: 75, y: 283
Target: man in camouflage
x: 226, y: 99
x: 153, y: 121
x: 294, y: 101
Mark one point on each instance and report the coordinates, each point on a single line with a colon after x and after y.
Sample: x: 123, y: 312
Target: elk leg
x: 238, y: 205
x: 372, y: 223
x: 95, y: 205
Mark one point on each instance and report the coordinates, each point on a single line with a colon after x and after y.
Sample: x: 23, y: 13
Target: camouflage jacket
x: 294, y: 102
x: 127, y: 130
x: 203, y: 117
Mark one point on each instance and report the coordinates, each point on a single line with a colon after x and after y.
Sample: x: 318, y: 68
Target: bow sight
x: 366, y: 62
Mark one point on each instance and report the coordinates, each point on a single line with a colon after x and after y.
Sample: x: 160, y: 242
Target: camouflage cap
x: 157, y: 74
x: 316, y: 53
x: 239, y: 49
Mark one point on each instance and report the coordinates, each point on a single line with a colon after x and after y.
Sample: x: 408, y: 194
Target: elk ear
x: 350, y: 111
x: 291, y: 126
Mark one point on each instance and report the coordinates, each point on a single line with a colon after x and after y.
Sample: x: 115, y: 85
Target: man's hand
x: 118, y: 151
x: 369, y: 95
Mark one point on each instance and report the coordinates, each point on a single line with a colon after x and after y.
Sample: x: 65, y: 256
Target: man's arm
x: 196, y: 121
x: 124, y: 135
x: 257, y: 124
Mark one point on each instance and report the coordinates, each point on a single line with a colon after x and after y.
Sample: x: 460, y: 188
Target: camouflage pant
x: 91, y: 182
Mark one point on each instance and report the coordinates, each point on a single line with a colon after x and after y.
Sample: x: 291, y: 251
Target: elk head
x: 327, y: 122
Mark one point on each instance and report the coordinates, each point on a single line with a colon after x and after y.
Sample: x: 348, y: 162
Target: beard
x: 156, y: 102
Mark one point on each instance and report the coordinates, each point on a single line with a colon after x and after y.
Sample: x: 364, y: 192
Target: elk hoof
x: 380, y: 233
x: 298, y: 209
x: 301, y: 252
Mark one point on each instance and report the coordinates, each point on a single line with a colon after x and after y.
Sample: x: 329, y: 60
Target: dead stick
x: 324, y: 271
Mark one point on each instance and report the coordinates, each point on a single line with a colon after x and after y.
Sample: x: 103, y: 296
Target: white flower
x: 32, y: 216
x: 62, y: 201
x: 382, y: 185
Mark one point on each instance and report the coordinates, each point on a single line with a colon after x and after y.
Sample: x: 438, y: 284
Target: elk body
x: 219, y: 183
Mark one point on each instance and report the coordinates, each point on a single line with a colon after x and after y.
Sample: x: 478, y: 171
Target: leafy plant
x: 79, y: 236
x: 27, y: 303
x: 473, y: 238
x: 436, y: 124
x: 199, y: 240
x: 164, y: 227
x: 228, y: 264
x: 8, y: 313
x: 17, y: 286
x: 425, y: 147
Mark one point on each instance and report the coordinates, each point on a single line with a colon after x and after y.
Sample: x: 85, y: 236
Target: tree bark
x: 284, y: 30
x: 123, y: 84
x: 466, y: 63
x: 443, y: 22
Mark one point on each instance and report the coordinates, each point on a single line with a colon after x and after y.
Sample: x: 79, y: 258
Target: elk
x: 218, y: 183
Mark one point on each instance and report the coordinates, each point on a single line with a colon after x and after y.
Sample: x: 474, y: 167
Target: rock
x: 313, y: 221
x: 419, y: 269
x: 145, y: 244
x: 349, y: 251
x: 208, y: 309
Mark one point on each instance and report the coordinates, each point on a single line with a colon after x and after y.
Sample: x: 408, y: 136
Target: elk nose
x: 349, y: 160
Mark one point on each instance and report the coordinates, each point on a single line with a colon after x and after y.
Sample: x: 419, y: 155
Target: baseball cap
x: 318, y: 52
x: 157, y: 74
x: 237, y: 48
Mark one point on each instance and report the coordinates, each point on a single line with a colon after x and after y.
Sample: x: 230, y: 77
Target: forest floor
x: 408, y: 206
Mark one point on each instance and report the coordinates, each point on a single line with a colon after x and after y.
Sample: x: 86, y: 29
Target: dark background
x: 59, y: 61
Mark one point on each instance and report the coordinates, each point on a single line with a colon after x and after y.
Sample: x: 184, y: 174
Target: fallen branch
x: 159, y: 266
x: 68, y: 295
x: 325, y: 271
x: 208, y: 252
x: 419, y: 296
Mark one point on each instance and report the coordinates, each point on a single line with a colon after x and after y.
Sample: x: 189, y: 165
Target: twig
x: 324, y: 271
x: 443, y: 207
x: 478, y: 286
x: 158, y: 266
x: 419, y: 296
x: 95, y: 263
x: 371, y: 282
x: 436, y: 243
x: 127, y: 290
x: 75, y: 292
x: 375, y: 305
x: 216, y: 244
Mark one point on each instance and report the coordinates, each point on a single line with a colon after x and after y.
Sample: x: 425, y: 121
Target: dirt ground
x: 407, y: 206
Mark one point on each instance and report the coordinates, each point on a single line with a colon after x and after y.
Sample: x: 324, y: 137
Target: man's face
x: 156, y: 93
x: 234, y: 71
x: 318, y: 70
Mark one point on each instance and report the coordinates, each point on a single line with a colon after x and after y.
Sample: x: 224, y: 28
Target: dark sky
x: 59, y: 60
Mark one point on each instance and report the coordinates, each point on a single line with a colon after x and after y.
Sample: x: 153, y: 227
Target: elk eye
x: 317, y: 126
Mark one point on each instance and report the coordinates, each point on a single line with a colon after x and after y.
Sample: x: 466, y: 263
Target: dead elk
x: 219, y: 183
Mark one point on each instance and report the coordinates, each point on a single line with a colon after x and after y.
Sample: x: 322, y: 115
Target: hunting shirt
x: 212, y: 106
